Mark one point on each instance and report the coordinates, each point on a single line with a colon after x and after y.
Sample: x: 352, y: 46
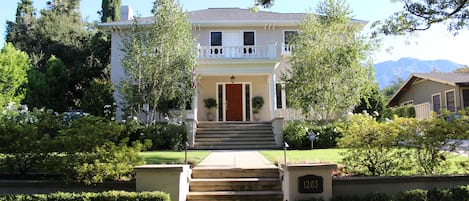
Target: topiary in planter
x: 257, y: 103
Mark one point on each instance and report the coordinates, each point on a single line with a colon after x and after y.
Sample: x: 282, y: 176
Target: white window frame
x: 255, y: 36
x: 283, y: 95
x: 283, y: 34
x: 454, y: 99
x: 210, y: 37
x: 433, y: 104
x: 461, y: 96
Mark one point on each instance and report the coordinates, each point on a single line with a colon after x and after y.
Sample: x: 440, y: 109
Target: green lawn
x: 307, y: 156
x: 173, y: 157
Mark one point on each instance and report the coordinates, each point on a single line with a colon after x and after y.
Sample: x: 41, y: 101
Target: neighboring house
x: 241, y: 55
x: 432, y: 92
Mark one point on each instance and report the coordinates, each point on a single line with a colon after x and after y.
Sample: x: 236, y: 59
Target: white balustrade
x: 287, y: 49
x: 255, y: 52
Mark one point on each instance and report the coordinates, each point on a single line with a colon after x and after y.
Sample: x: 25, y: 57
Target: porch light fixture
x: 232, y: 78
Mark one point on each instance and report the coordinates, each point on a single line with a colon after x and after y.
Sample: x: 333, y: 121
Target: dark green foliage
x: 372, y: 103
x: 102, y: 196
x: 82, y: 53
x: 368, y: 197
x: 412, y: 195
x: 421, y: 15
x: 19, y: 32
x: 296, y: 135
x: 459, y: 193
x: 165, y: 136
x: 85, y: 149
x: 404, y: 111
x: 111, y: 10
x: 98, y: 99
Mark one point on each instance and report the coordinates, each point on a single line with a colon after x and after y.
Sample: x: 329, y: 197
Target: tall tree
x: 19, y: 31
x: 84, y: 51
x: 158, y: 62
x: 417, y: 15
x: 330, y: 67
x: 110, y: 10
x: 14, y: 65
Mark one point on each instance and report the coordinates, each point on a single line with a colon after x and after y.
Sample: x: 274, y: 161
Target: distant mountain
x: 388, y: 71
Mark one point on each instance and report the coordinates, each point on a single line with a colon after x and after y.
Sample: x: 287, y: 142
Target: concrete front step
x: 230, y: 139
x: 210, y: 173
x: 234, y: 135
x: 236, y: 147
x: 235, y: 195
x: 235, y: 184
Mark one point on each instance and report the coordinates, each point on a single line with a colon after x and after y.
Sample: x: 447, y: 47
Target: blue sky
x: 432, y: 44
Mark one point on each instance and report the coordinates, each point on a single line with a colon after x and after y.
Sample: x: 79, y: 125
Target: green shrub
x: 371, y: 146
x: 103, y: 196
x: 85, y: 149
x: 296, y: 135
x: 407, y: 111
x: 412, y: 195
x: 165, y: 136
x: 367, y: 197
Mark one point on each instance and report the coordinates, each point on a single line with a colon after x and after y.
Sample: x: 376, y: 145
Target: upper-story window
x: 215, y: 38
x: 288, y: 36
x: 248, y: 37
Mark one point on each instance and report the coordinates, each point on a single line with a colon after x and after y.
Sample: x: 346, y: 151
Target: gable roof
x: 452, y: 79
x: 233, y: 17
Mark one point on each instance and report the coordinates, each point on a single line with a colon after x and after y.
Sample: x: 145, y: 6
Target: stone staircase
x: 235, y: 184
x: 234, y: 135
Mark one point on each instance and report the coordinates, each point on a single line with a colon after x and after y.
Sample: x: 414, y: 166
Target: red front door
x: 234, y: 100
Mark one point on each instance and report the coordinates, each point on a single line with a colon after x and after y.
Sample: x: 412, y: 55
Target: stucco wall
x: 207, y: 88
x: 263, y: 35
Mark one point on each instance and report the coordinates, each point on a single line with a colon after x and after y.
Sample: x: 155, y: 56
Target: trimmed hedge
x: 459, y: 193
x: 103, y: 196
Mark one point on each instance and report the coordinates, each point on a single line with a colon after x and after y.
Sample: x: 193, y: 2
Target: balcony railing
x: 233, y: 52
x: 287, y: 49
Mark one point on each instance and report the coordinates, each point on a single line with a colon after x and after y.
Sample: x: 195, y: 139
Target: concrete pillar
x: 277, y: 129
x: 307, y: 181
x: 173, y: 179
x: 191, y: 126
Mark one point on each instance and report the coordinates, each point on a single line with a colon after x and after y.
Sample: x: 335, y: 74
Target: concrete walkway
x: 235, y: 159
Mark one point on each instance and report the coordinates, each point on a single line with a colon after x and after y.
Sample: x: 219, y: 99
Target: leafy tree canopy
x: 417, y: 15
x: 14, y: 65
x: 330, y: 70
x: 158, y: 61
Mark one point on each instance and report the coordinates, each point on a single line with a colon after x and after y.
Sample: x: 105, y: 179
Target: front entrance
x: 234, y: 102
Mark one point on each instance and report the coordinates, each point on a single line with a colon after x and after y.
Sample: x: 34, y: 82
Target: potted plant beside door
x: 209, y: 104
x: 257, y: 103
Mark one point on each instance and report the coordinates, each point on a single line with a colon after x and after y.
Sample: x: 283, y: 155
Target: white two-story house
x: 241, y: 54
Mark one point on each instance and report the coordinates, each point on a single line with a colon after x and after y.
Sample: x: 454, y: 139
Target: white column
x: 272, y: 95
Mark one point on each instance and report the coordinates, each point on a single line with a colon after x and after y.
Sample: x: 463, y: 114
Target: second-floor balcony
x: 269, y: 51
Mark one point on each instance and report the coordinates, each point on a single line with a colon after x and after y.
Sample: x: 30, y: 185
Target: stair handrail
x: 285, y: 146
